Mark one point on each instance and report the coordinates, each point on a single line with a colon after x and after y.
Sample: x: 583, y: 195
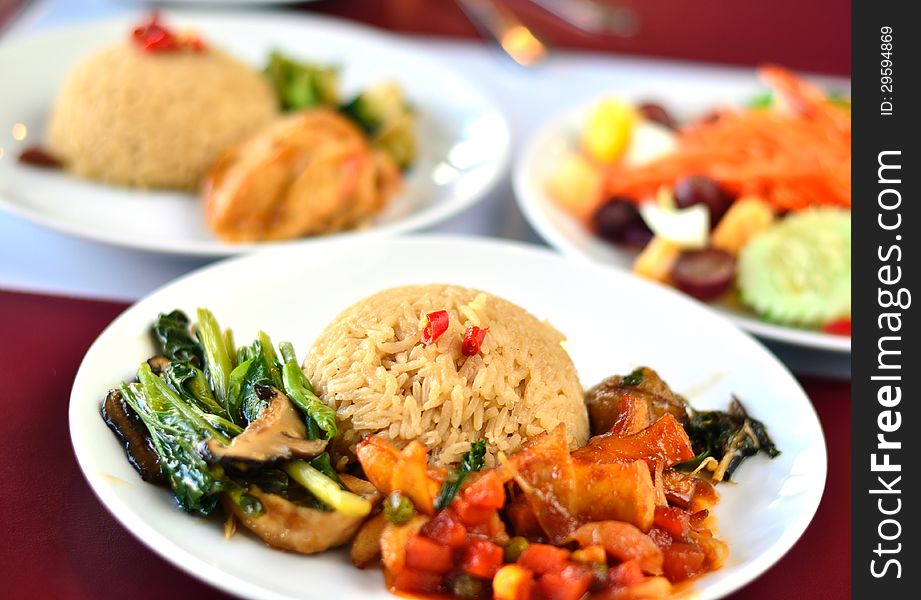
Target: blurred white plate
x: 614, y: 322
x: 543, y: 153
x: 464, y: 139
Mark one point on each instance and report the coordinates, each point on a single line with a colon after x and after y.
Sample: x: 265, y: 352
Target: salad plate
x: 613, y: 322
x: 463, y: 139
x: 558, y: 139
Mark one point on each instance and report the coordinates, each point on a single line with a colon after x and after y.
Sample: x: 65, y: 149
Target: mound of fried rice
x: 372, y: 367
x: 155, y: 120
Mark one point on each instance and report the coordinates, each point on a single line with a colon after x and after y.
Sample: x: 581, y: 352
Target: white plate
x: 558, y: 139
x: 614, y: 322
x: 464, y: 139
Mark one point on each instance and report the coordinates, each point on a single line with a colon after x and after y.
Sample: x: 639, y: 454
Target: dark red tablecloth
x: 812, y: 35
x: 59, y: 542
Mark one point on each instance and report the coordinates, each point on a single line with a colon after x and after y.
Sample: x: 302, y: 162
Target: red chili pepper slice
x: 839, y: 327
x: 154, y: 37
x: 473, y: 338
x: 437, y: 324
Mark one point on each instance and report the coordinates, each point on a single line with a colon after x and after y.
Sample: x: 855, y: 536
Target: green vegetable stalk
x: 472, y: 461
x: 326, y: 490
x: 218, y: 362
x: 298, y: 389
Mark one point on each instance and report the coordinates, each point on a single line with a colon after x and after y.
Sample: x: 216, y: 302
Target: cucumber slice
x: 798, y: 272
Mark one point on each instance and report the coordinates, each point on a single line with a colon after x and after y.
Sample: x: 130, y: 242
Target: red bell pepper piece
x: 428, y: 555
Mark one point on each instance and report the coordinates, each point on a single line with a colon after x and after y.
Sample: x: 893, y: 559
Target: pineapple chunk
x: 657, y: 259
x: 608, y: 131
x: 577, y: 186
x: 746, y: 218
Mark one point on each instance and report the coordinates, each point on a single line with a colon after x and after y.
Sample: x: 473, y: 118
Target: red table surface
x: 811, y: 36
x: 59, y: 541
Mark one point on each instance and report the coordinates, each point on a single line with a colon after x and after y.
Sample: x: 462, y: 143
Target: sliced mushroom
x: 278, y: 433
x: 287, y: 526
x: 158, y: 364
x: 133, y: 436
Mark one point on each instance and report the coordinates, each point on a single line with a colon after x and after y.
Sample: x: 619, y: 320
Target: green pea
x: 515, y: 547
x: 398, y: 509
x: 467, y: 587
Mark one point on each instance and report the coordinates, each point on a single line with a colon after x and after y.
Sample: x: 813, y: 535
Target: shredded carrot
x: 792, y: 159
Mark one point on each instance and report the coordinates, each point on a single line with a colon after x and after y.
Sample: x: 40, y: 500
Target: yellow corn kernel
x: 608, y: 131
x: 590, y: 554
x: 511, y: 583
x: 577, y: 186
x: 656, y: 260
x: 746, y: 218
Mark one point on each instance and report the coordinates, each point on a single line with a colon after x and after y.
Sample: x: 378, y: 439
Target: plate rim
x: 200, y: 569
x: 530, y: 206
x: 428, y: 217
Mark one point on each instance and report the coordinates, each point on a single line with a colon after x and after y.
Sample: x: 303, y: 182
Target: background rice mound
x: 370, y: 365
x: 155, y: 120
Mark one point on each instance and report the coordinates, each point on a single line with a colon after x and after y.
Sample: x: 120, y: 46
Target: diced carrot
x: 791, y: 159
x: 673, y: 520
x: 512, y: 582
x: 471, y: 514
x: 486, y: 492
x: 414, y: 580
x: 428, y: 555
x: 481, y: 558
x: 683, y: 561
x: 445, y: 529
x: 569, y: 584
x: 626, y: 573
x: 543, y: 558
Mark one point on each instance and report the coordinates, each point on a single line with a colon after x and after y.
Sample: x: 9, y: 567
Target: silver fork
x: 507, y: 30
x: 593, y: 17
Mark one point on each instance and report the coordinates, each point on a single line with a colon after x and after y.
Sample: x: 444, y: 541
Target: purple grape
x: 698, y: 189
x: 657, y: 114
x: 704, y: 274
x: 619, y: 221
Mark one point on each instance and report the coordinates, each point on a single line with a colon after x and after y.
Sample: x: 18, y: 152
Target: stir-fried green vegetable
x: 207, y: 391
x: 301, y: 85
x: 176, y: 431
x: 171, y: 334
x: 472, y: 461
x: 218, y: 361
x: 383, y: 113
x: 728, y: 438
